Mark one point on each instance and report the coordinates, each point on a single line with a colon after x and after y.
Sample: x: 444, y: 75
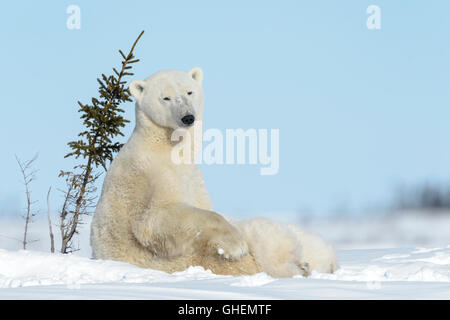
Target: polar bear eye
x: 167, y: 98
x: 189, y: 93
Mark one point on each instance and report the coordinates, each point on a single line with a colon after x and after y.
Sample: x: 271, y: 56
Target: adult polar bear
x: 157, y: 214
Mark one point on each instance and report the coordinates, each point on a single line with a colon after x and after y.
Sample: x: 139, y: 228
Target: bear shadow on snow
x: 157, y: 214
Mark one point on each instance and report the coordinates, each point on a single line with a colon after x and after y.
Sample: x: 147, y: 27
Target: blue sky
x: 359, y: 111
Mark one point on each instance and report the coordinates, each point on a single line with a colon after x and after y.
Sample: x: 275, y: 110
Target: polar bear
x: 155, y: 213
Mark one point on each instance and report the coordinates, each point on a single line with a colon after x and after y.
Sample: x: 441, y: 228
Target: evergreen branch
x: 103, y: 122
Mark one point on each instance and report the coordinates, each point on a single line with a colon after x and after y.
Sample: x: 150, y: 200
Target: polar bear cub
x: 157, y: 214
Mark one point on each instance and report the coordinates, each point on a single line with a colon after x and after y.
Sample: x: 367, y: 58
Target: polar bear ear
x: 136, y: 89
x: 197, y: 74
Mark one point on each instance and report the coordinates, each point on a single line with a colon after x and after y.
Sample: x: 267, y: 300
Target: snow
x: 413, y: 263
x: 418, y: 273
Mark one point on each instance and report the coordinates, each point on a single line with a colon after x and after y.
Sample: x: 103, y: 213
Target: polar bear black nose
x: 188, y: 120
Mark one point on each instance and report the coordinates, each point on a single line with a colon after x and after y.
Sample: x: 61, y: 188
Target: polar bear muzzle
x: 188, y: 120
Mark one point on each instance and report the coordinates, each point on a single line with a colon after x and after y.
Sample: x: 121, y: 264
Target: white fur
x: 157, y: 214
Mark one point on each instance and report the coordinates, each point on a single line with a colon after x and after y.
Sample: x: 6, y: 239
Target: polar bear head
x: 170, y: 98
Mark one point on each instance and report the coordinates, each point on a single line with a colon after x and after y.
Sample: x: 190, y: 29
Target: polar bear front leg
x: 178, y: 229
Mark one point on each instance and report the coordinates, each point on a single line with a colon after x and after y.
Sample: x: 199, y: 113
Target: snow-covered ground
x: 419, y: 273
x: 395, y: 257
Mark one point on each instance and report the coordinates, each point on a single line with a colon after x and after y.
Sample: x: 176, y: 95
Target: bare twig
x: 69, y: 221
x: 52, y: 239
x: 28, y: 177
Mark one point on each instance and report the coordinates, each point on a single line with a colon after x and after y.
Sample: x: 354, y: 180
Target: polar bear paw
x: 229, y: 245
x: 305, y: 269
x: 233, y: 252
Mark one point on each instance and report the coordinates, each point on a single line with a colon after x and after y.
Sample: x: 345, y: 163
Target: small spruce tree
x: 103, y: 121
